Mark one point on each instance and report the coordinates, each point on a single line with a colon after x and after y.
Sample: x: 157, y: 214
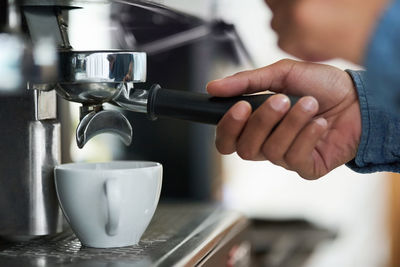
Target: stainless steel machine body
x: 31, y: 135
x: 30, y: 148
x: 30, y: 145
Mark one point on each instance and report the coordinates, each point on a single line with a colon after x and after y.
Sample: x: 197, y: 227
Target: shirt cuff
x: 379, y: 148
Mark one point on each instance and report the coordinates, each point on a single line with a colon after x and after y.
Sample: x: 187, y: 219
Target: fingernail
x: 309, y: 104
x: 241, y: 110
x: 279, y: 102
x: 322, y: 122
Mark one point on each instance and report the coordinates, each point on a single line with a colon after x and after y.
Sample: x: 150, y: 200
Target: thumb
x: 270, y: 78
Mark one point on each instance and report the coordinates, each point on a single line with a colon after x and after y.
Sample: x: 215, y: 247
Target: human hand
x: 319, y: 133
x: 318, y: 29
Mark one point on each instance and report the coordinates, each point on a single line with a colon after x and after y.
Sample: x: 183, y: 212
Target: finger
x: 230, y: 126
x: 260, y: 125
x: 302, y: 156
x: 271, y: 77
x: 281, y: 139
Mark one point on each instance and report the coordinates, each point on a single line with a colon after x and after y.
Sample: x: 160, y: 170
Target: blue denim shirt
x: 379, y: 96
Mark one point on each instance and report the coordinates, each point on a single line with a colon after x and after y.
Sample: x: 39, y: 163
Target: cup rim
x: 72, y: 166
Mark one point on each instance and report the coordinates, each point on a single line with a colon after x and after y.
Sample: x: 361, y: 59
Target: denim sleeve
x: 382, y: 58
x: 379, y: 148
x: 379, y: 96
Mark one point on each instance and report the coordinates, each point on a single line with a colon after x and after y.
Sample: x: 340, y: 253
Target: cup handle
x: 113, y: 206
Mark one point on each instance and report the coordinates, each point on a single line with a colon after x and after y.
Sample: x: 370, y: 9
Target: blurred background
x: 357, y: 214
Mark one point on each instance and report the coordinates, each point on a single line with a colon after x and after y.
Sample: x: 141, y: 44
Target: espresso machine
x: 39, y: 63
x: 36, y: 58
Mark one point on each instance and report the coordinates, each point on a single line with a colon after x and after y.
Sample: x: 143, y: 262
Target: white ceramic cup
x: 109, y: 204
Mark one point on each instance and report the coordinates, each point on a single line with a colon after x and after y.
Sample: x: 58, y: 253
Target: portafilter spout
x: 97, y: 77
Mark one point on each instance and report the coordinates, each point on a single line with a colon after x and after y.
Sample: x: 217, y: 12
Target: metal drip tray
x: 178, y: 234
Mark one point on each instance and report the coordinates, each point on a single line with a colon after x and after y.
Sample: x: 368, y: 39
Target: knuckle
x: 245, y: 152
x: 285, y: 61
x: 270, y: 154
x: 293, y: 161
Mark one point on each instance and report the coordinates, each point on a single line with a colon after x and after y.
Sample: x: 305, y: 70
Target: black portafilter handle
x: 197, y: 107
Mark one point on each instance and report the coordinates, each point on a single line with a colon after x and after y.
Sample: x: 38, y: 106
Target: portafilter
x: 97, y: 77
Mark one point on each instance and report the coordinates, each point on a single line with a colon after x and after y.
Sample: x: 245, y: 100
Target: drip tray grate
x: 171, y: 224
